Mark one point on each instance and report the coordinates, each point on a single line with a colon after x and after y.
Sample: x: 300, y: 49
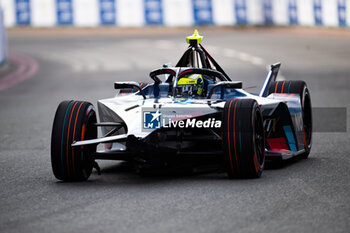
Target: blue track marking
x: 290, y: 137
x: 318, y: 12
x: 23, y: 12
x: 64, y: 12
x: 64, y: 123
x: 202, y: 12
x: 342, y: 13
x: 268, y: 12
x: 241, y: 12
x: 107, y: 12
x: 153, y: 12
x: 293, y: 12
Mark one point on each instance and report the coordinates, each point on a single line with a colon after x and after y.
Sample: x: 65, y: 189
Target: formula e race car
x: 192, y: 113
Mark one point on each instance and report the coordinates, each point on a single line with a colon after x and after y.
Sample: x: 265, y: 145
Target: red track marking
x: 75, y: 124
x: 27, y: 67
x: 70, y: 119
x: 228, y: 135
x: 276, y: 85
x: 282, y: 86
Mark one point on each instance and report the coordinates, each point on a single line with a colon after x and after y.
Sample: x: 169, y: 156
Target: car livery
x: 171, y: 122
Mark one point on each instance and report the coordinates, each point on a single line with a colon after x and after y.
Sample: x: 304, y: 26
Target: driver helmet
x: 190, y: 86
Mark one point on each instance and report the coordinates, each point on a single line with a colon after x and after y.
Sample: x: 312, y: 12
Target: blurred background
x: 170, y: 13
x: 55, y: 50
x: 137, y: 13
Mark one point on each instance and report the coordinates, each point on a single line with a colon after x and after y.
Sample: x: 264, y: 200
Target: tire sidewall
x: 72, y: 163
x: 256, y: 111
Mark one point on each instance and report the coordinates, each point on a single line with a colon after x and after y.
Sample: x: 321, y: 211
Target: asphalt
x: 302, y: 196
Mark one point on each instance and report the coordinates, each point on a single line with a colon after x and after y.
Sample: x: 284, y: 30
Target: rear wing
x: 271, y: 77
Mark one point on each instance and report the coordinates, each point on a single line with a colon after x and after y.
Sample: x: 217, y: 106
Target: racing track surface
x: 303, y: 196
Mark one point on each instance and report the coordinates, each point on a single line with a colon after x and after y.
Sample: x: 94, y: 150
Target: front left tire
x: 243, y: 139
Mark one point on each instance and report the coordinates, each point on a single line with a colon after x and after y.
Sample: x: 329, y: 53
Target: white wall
x: 43, y: 13
x: 330, y: 13
x: 131, y: 13
x: 280, y: 12
x: 86, y: 13
x: 255, y: 13
x: 178, y: 13
x: 306, y: 12
x: 3, y: 39
x: 223, y: 12
x: 8, y: 8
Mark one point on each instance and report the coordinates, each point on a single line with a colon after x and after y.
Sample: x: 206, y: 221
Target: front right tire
x: 73, y: 122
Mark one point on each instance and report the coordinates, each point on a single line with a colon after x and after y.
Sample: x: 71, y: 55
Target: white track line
x: 258, y: 61
x: 244, y: 57
x: 99, y: 59
x: 164, y: 44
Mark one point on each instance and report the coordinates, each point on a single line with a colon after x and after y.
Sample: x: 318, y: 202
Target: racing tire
x: 300, y: 88
x: 73, y: 122
x: 243, y: 139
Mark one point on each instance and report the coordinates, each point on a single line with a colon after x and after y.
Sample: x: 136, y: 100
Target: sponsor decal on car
x: 193, y: 123
x: 151, y: 119
x: 154, y: 119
